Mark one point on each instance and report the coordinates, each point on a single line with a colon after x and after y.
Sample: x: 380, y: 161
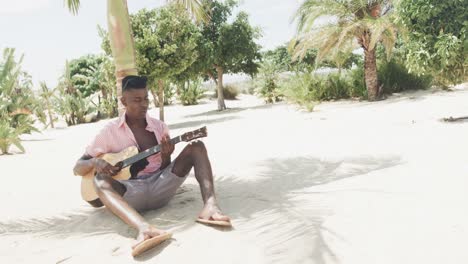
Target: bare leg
x: 110, y: 193
x: 195, y: 155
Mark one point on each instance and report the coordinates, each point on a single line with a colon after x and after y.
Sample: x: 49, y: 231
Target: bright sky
x: 48, y: 34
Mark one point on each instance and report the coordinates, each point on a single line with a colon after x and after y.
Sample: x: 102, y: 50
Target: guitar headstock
x: 198, y: 133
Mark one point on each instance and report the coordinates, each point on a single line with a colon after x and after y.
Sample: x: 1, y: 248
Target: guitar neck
x: 147, y: 153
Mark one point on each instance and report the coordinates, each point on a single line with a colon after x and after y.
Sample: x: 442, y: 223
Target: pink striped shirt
x: 117, y: 136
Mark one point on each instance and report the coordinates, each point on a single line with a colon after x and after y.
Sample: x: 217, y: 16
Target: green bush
x: 297, y: 90
x: 268, y: 82
x: 74, y: 107
x: 17, y: 102
x: 395, y: 78
x: 230, y: 92
x: 191, y: 93
x: 306, y: 89
x: 331, y: 87
x: 357, y: 85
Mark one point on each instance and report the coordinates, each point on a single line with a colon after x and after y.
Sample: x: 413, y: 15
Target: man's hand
x: 103, y: 167
x: 166, y: 147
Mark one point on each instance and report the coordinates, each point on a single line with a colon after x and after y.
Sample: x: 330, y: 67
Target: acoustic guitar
x: 127, y: 157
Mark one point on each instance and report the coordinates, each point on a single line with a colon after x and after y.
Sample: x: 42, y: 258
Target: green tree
x: 282, y: 57
x: 366, y: 23
x: 228, y: 47
x: 437, y: 42
x: 165, y: 41
x: 120, y: 35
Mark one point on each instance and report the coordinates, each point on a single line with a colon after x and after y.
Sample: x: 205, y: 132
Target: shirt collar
x: 151, y: 126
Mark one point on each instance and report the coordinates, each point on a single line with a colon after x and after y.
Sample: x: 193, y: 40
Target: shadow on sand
x: 232, y: 110
x: 188, y: 124
x: 263, y: 206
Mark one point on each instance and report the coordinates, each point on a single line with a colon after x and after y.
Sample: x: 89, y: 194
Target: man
x: 156, y: 180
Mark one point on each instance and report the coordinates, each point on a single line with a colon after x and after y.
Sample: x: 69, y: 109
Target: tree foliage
x: 437, y: 42
x: 84, y: 71
x: 165, y: 41
x: 228, y: 47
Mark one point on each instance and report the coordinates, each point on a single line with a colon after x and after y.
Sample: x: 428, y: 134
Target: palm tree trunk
x: 370, y: 74
x: 161, y: 99
x: 121, y: 42
x: 221, y: 104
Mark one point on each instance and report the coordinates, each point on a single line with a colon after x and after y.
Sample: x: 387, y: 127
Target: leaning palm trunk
x: 121, y: 42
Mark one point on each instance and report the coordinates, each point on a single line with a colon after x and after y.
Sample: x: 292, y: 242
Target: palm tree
x: 351, y: 22
x: 120, y: 35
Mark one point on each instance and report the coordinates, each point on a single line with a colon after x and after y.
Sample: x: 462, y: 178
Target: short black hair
x: 134, y: 82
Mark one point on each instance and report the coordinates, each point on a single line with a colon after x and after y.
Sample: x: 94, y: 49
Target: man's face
x: 136, y: 102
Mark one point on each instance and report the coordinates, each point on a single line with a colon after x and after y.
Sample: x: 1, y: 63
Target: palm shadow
x: 262, y: 205
x: 265, y: 205
x: 231, y: 110
x: 189, y: 124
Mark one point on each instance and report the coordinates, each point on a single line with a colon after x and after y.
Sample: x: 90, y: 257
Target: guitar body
x: 88, y: 193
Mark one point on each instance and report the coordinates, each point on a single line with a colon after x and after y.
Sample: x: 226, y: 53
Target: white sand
x: 352, y: 182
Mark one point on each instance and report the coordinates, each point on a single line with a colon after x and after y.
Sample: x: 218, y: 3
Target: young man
x: 157, y: 178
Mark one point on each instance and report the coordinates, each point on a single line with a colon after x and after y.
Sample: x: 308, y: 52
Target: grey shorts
x: 152, y: 191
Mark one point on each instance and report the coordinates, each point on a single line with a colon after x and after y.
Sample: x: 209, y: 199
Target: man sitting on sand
x: 156, y: 183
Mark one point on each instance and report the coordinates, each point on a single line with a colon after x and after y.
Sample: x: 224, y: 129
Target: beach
x: 350, y: 182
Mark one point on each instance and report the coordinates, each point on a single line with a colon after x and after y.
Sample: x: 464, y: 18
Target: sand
x: 351, y: 182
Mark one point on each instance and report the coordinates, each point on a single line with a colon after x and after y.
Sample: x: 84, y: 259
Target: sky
x: 47, y: 34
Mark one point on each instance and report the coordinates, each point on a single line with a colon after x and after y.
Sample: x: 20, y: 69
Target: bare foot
x: 146, y: 233
x: 212, y: 212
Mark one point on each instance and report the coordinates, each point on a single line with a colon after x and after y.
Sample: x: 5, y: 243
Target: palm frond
x: 10, y: 71
x: 381, y: 28
x: 17, y: 143
x: 311, y: 10
x: 195, y: 7
x: 73, y: 5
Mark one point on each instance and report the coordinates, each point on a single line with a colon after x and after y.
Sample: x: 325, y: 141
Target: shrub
x: 230, y: 92
x: 73, y: 107
x: 268, y: 82
x: 191, y: 93
x: 296, y: 90
x: 17, y: 102
x: 357, y: 85
x: 306, y: 89
x: 331, y: 87
x: 395, y: 78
